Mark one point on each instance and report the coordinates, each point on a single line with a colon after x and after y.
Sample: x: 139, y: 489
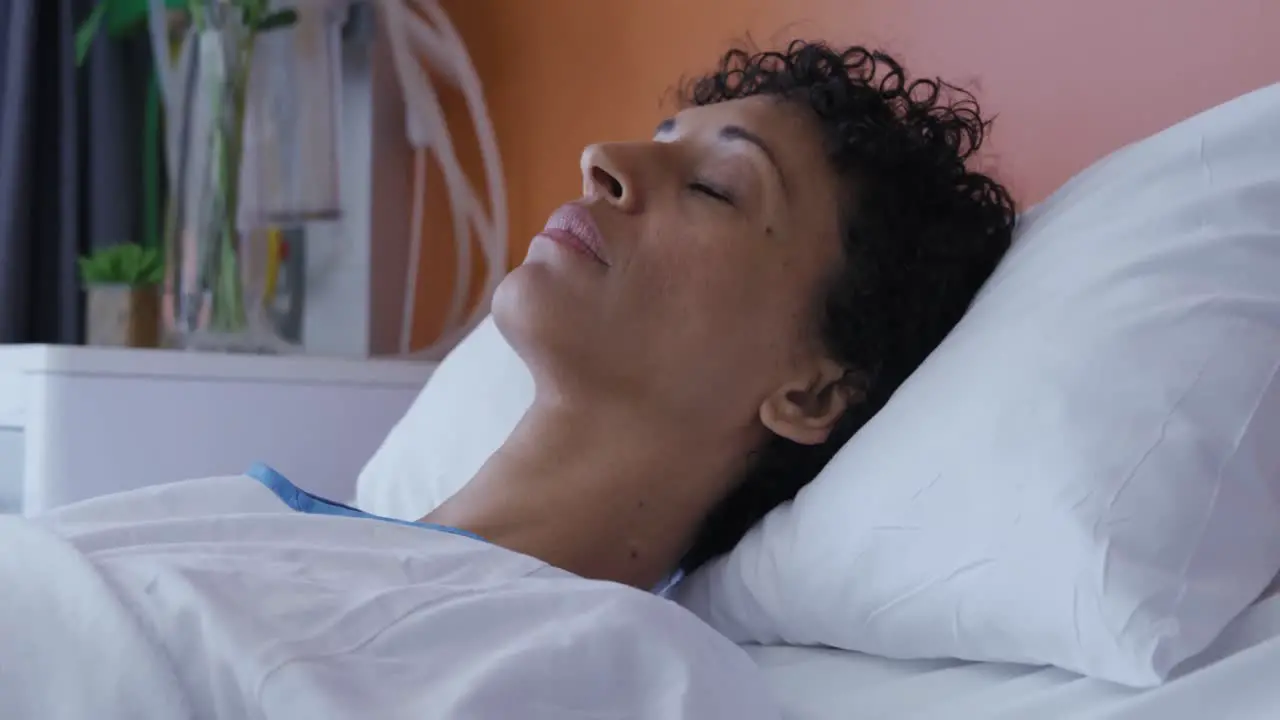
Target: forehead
x: 790, y: 129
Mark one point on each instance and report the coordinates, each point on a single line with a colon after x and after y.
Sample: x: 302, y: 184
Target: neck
x: 598, y: 491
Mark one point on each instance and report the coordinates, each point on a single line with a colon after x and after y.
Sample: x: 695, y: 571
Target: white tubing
x: 435, y: 135
x: 415, y: 249
x: 433, y: 38
x: 494, y: 237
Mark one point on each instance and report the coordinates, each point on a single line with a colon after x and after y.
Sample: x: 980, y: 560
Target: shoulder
x: 186, y: 499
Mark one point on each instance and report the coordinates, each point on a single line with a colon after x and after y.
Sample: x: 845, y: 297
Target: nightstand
x: 77, y: 422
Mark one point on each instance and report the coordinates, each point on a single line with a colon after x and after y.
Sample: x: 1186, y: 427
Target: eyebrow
x: 737, y: 132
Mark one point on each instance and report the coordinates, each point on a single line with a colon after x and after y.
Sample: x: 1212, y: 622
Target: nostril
x: 607, y: 181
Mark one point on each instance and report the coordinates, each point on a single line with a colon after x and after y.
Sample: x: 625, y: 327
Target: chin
x: 506, y: 306
x: 563, y: 339
x: 539, y: 318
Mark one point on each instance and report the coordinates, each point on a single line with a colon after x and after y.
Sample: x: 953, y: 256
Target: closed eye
x: 711, y: 192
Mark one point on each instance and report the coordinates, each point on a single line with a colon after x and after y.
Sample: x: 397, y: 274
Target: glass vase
x: 252, y: 148
x: 203, y: 249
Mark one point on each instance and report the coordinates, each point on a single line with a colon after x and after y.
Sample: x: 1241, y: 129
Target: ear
x: 806, y: 409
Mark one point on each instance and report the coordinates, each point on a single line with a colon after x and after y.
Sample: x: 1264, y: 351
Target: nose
x: 608, y: 175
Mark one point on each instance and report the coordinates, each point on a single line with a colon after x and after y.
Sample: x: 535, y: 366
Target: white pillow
x: 1085, y: 474
x: 463, y: 414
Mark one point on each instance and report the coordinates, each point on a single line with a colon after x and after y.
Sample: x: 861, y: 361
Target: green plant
x: 120, y: 18
x: 123, y: 16
x: 128, y: 264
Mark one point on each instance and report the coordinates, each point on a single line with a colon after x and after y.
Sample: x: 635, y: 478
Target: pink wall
x: 1074, y: 79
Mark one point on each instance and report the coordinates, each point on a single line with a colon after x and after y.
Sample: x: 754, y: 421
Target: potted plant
x: 123, y: 287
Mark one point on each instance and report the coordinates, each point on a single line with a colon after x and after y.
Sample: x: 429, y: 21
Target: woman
x: 728, y: 303
x: 725, y: 305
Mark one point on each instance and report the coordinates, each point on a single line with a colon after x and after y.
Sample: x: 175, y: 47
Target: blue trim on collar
x: 304, y: 502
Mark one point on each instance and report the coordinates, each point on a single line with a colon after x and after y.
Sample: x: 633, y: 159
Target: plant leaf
x: 130, y: 255
x: 278, y: 19
x: 126, y: 264
x: 87, y: 275
x: 115, y: 265
x: 127, y: 15
x: 94, y: 270
x: 152, y: 272
x: 102, y: 268
x: 253, y: 11
x: 88, y: 30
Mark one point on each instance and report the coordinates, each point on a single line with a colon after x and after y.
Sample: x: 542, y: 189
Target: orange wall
x: 1070, y: 79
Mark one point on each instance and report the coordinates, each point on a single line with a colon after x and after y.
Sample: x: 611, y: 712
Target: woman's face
x: 687, y: 281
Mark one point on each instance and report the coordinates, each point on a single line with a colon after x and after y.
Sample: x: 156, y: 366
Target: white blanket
x: 68, y: 648
x: 211, y: 599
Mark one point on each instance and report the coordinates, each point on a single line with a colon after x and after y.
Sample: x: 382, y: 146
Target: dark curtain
x: 70, y: 161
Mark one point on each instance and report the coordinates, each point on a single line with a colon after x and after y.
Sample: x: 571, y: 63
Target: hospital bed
x: 819, y: 683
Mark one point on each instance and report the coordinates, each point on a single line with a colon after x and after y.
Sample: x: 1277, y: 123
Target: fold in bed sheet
x: 1235, y: 678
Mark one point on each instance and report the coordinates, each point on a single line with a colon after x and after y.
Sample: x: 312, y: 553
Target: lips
x: 572, y: 225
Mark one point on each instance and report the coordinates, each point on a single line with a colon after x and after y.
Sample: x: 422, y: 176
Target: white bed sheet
x: 1234, y: 679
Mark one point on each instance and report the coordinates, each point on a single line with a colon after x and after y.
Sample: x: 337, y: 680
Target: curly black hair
x: 921, y: 234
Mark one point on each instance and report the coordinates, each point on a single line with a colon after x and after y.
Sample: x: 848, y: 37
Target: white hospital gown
x: 265, y: 612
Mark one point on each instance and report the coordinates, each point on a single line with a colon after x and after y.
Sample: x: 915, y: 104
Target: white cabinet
x: 78, y: 422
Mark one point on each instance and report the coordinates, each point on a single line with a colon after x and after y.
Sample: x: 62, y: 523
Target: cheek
x: 720, y: 305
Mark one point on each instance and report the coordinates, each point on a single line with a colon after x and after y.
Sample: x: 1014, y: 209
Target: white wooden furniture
x: 78, y: 422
